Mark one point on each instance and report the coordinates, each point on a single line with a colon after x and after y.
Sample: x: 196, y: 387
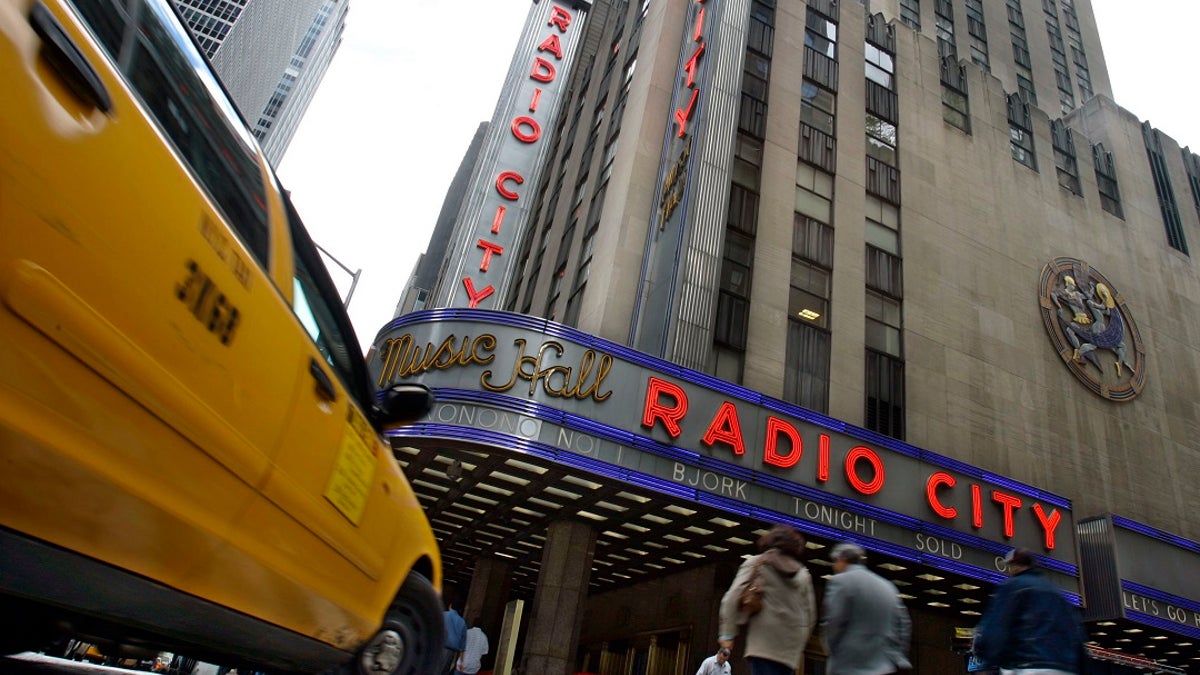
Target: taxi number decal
x: 207, y: 303
x: 350, y: 484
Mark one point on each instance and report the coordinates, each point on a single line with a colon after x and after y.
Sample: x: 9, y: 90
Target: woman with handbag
x: 771, y: 601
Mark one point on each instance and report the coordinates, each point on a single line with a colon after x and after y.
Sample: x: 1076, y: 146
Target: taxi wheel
x: 410, y: 640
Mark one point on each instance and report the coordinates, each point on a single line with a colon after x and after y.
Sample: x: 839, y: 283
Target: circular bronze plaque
x: 1091, y: 329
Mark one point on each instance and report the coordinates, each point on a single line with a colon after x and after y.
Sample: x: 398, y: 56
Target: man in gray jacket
x: 867, y: 627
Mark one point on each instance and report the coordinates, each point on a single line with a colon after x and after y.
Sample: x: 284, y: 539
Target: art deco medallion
x: 1091, y: 329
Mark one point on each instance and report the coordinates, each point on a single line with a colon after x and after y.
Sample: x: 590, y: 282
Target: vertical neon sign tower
x: 682, y: 260
x: 495, y: 213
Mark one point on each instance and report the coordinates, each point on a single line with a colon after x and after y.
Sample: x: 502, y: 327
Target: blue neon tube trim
x: 1164, y: 624
x: 1153, y: 532
x: 1155, y: 594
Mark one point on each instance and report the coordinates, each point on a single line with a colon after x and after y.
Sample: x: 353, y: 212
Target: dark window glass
x: 180, y: 91
x: 107, y: 19
x: 806, y: 374
x: 885, y: 395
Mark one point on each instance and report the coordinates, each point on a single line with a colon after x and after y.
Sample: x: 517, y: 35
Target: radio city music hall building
x: 900, y: 273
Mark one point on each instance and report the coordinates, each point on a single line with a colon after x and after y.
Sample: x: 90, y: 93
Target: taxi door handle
x: 324, y: 384
x: 68, y: 61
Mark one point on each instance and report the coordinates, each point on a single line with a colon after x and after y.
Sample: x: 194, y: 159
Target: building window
x: 818, y: 107
x: 806, y: 368
x: 743, y: 209
x: 1064, y: 157
x: 881, y: 140
x: 1162, y: 187
x: 885, y: 395
x: 881, y: 67
x: 945, y: 30
x: 954, y: 106
x: 820, y: 35
x: 1106, y: 181
x: 883, y: 324
x: 808, y: 299
x: 747, y: 161
x: 1020, y: 133
x: 910, y: 13
x: 806, y: 375
x: 733, y: 305
x: 1025, y: 88
x: 1192, y: 163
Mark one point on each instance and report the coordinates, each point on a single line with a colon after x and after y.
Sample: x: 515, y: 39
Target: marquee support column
x: 491, y: 582
x: 559, y: 599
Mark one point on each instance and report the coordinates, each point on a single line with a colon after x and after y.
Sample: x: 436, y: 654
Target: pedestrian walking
x: 717, y: 664
x: 776, y: 631
x: 456, y: 633
x: 1029, y: 628
x: 867, y: 627
x: 474, y: 648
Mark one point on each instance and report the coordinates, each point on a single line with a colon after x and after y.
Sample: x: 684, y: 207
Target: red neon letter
x: 855, y: 454
x: 670, y: 416
x: 503, y: 178
x: 533, y: 102
x: 699, y: 25
x: 518, y: 126
x: 823, y: 458
x: 937, y: 479
x: 682, y: 116
x: 543, y: 70
x: 498, y: 220
x: 1049, y: 523
x: 775, y: 427
x: 473, y: 295
x: 488, y: 249
x: 976, y: 506
x: 690, y: 66
x: 1010, y: 503
x: 726, y: 428
x: 560, y: 18
x: 552, y: 45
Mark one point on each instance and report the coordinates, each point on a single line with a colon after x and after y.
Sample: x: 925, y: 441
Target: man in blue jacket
x: 1029, y: 628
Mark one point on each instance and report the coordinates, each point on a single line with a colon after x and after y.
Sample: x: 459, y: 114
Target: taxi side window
x: 107, y: 19
x: 318, y: 320
x: 168, y: 73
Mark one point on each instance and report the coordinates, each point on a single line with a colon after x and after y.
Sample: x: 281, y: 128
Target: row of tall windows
x: 808, y: 344
x: 884, y: 288
x: 1163, y: 189
x: 977, y: 34
x: 1058, y: 54
x: 732, y: 319
x: 944, y: 15
x: 1020, y: 49
x: 1075, y: 44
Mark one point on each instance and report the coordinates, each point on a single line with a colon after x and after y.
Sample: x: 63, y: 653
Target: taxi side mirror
x: 403, y: 404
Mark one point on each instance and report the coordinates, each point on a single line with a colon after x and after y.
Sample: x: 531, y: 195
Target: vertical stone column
x: 491, y: 582
x: 558, y: 602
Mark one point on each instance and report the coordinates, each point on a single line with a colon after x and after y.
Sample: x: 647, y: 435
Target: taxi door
x: 336, y: 499
x: 134, y: 237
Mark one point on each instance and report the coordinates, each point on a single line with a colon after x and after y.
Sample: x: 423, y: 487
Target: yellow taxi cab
x: 191, y: 454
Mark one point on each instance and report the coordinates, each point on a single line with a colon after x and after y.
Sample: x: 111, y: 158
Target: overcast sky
x: 371, y: 162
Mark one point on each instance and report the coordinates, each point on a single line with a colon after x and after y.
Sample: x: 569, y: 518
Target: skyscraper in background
x: 270, y: 55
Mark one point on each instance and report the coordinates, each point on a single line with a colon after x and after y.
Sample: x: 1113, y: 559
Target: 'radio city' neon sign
x: 526, y: 129
x: 684, y: 114
x: 667, y: 404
